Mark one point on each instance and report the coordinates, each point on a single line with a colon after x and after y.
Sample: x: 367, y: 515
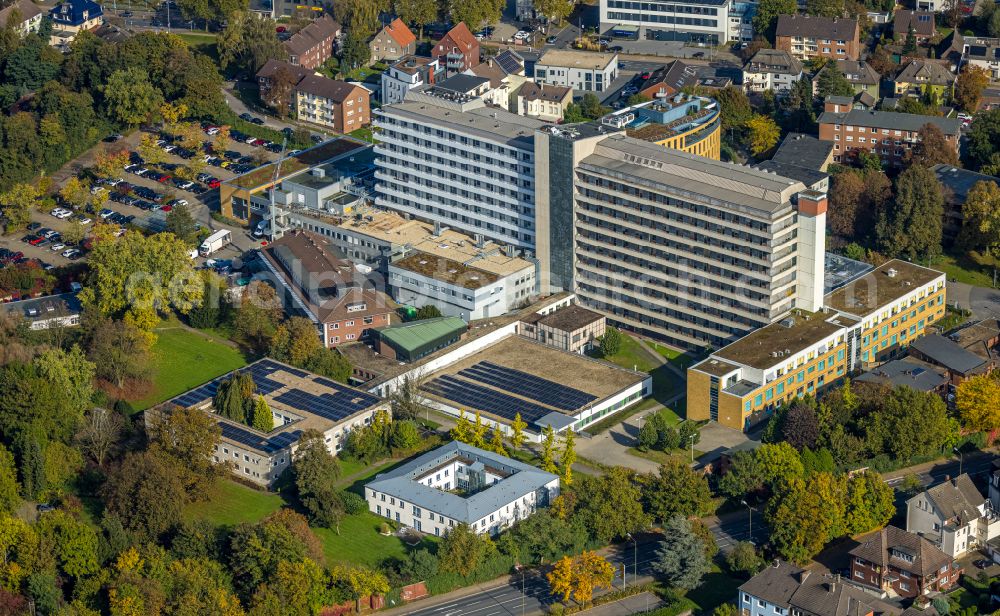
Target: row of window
x: 664, y: 19
x: 663, y: 8
x: 396, y: 201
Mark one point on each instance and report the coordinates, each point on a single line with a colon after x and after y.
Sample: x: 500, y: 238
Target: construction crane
x: 274, y: 182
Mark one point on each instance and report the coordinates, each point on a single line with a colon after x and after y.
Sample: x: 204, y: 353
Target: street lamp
x: 750, y: 513
x: 961, y: 458
x: 635, y: 558
x: 691, y: 438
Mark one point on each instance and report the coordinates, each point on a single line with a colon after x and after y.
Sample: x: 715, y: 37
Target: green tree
x: 263, y: 418
x: 405, y: 435
x: 257, y: 316
x: 16, y: 204
x: 462, y: 550
x: 825, y: 8
x: 517, y: 431
x: 912, y: 228
x: 72, y: 542
x: 932, y: 148
x: 130, y: 96
x: 680, y: 559
x: 984, y: 135
x: 429, y: 311
x: 734, y: 108
x: 420, y: 12
x: 611, y: 342
x: 870, y: 503
x: 234, y: 398
x: 145, y: 494
x: 648, y: 436
x: 476, y: 13
x: 779, y: 464
x: 765, y: 20
x: 763, y: 134
x: 10, y: 496
x: 181, y: 223
x: 249, y: 42
x: 187, y: 438
x: 555, y: 10
x: 833, y: 82
x: 568, y: 456
x: 548, y: 461
x: 981, y: 219
x: 611, y: 505
x: 591, y: 107
x: 805, y: 514
x: 677, y: 490
x: 316, y: 472
x: 296, y: 341
x: 355, y: 51
x: 744, y: 558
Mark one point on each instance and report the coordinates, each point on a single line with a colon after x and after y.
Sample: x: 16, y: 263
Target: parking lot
x: 144, y: 200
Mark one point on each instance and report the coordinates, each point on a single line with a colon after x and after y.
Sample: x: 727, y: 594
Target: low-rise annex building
x: 460, y: 484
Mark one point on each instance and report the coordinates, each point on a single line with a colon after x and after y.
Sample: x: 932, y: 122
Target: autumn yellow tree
x: 561, y: 578
x: 969, y: 87
x: 496, y: 442
x: 172, y: 114
x: 978, y: 402
x: 517, y: 431
x: 763, y: 134
x: 478, y: 432
x: 592, y: 571
x: 75, y: 192
x: 462, y: 432
x: 111, y: 164
x: 222, y: 139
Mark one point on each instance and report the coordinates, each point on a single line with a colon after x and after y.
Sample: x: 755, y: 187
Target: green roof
x: 412, y: 337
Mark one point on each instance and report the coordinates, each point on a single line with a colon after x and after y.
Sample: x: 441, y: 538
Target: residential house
x: 46, y: 312
x: 979, y: 51
x: 276, y: 82
x: 392, y: 42
x: 313, y: 45
x: 960, y: 363
x: 29, y: 16
x: 572, y: 328
x: 920, y: 23
x: 71, y: 17
x: 862, y: 77
x: 299, y: 400
x: 908, y: 372
x: 954, y: 515
x: 782, y: 589
x: 807, y: 36
x: 342, y: 106
x: 328, y: 289
x: 458, y: 50
x: 542, y: 101
x: 581, y: 70
x: 506, y: 74
x: 460, y: 484
x: 957, y: 183
x: 668, y: 80
x: 771, y: 69
x: 804, y: 158
x: 902, y: 564
x: 923, y: 78
x: 406, y: 74
x: 886, y: 133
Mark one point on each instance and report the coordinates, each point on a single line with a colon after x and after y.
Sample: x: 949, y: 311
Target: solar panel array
x: 470, y: 395
x: 508, y: 62
x: 256, y: 441
x: 334, y: 407
x: 528, y: 386
x: 259, y: 371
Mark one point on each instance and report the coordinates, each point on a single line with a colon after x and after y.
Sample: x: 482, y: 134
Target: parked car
x: 105, y: 213
x: 175, y: 203
x: 183, y: 184
x: 204, y: 177
x: 84, y: 220
x: 258, y: 121
x: 982, y: 563
x: 57, y: 247
x: 273, y: 147
x: 34, y: 225
x: 246, y: 117
x: 213, y: 183
x: 113, y: 138
x: 551, y: 40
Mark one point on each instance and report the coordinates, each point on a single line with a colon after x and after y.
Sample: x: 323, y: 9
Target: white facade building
x: 495, y: 491
x: 488, y: 287
x: 583, y: 71
x: 771, y: 69
x: 696, y: 21
x: 449, y: 158
x: 408, y: 73
x: 954, y: 515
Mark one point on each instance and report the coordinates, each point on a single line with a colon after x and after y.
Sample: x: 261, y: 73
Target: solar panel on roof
x: 508, y: 62
x: 531, y: 386
x: 470, y: 395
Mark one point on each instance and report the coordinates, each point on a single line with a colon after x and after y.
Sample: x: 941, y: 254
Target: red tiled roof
x: 462, y: 36
x: 400, y: 33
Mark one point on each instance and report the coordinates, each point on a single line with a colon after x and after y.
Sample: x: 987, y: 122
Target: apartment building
x: 471, y: 289
x: 392, y: 42
x: 886, y: 133
x: 782, y: 589
x: 868, y: 321
x: 669, y: 80
x: 408, y: 73
x: 318, y: 282
x: 923, y: 78
x: 458, y: 49
x: 460, y: 484
x: 299, y: 400
x: 313, y: 45
x: 342, y: 106
x: 902, y: 563
x: 30, y: 16
x: 448, y: 158
x: 809, y: 36
x: 683, y: 122
x: 544, y: 102
x: 581, y: 70
x: 771, y: 69
x: 694, y: 21
x: 955, y: 516
x: 691, y: 250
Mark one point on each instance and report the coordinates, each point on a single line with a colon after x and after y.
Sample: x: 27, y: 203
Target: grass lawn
x: 965, y: 268
x: 202, y: 42
x: 359, y: 542
x: 365, y: 134
x: 680, y: 359
x: 662, y: 457
x: 633, y: 357
x: 716, y: 588
x: 235, y: 503
x: 184, y: 359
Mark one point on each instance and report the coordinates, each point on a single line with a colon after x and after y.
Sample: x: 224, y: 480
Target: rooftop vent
x: 788, y: 322
x: 891, y: 272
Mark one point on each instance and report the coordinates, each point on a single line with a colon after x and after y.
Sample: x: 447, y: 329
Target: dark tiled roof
x: 910, y: 372
x: 313, y: 34
x: 960, y: 181
x: 922, y: 23
x: 540, y: 91
x: 949, y: 354
x: 774, y: 61
x: 957, y: 498
x: 337, y: 91
x: 859, y: 72
x: 804, y: 151
x: 879, y: 546
x: 920, y: 71
x: 676, y: 75
x: 271, y: 68
x: 817, y: 27
x: 891, y: 120
x: 790, y: 587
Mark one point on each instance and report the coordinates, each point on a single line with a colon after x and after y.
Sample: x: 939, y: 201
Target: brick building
x: 906, y: 564
x: 806, y: 36
x: 342, y: 106
x: 886, y: 133
x: 392, y: 42
x: 313, y: 45
x: 458, y: 50
x: 326, y: 288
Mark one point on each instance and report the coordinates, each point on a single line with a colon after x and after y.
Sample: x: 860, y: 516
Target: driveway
x: 984, y: 302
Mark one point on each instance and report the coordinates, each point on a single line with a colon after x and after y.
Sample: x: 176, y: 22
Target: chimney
x: 811, y: 250
x: 803, y: 576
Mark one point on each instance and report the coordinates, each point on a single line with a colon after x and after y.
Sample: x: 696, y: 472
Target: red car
x: 36, y: 241
x: 166, y: 208
x: 281, y: 29
x: 163, y: 178
x: 214, y: 183
x: 258, y: 142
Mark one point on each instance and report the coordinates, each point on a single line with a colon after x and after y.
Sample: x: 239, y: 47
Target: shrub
x: 353, y: 503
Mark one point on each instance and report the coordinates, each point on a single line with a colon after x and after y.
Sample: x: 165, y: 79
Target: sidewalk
x: 636, y: 604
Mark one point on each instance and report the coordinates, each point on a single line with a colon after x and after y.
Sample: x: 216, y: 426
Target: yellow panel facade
x: 703, y: 140
x: 699, y: 395
x: 890, y: 333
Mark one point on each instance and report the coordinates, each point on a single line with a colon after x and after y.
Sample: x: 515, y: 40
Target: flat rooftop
x: 307, y: 400
x: 296, y: 163
x: 877, y: 288
x: 715, y: 367
x: 568, y: 319
x: 741, y: 186
x: 468, y: 115
x: 445, y: 270
x: 793, y: 334
x: 592, y: 380
x: 568, y: 58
